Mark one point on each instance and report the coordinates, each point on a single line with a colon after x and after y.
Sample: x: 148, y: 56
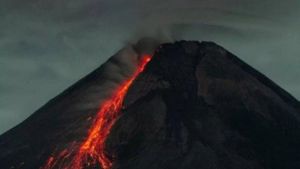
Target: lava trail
x: 91, y: 152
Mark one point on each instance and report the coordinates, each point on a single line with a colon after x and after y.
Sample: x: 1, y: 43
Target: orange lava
x: 92, y: 150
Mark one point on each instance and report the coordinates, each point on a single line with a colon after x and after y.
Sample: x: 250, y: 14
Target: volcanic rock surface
x: 195, y: 106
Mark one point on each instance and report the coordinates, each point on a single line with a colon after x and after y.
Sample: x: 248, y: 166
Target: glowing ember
x: 92, y: 150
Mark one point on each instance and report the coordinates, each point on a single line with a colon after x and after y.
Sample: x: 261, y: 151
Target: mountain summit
x: 191, y: 105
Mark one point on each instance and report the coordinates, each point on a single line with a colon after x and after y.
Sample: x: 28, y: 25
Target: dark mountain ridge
x: 199, y: 106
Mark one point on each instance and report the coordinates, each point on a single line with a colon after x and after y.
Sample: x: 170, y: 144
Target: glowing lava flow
x: 92, y: 150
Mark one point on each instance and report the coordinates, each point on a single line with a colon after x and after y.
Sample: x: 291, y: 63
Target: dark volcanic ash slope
x: 197, y: 106
x: 63, y: 123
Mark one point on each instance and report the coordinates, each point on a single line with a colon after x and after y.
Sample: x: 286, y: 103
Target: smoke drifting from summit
x: 117, y: 69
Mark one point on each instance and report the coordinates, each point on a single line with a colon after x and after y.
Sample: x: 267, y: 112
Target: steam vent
x: 188, y: 105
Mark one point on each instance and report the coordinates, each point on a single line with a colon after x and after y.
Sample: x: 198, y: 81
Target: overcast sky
x: 47, y: 45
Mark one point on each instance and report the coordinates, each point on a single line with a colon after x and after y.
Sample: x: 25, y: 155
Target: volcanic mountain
x: 188, y: 105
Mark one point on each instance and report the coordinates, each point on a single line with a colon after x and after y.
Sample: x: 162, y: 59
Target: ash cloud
x: 117, y: 69
x: 47, y: 45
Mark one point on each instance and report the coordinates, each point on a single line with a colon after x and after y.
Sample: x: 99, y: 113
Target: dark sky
x: 46, y: 45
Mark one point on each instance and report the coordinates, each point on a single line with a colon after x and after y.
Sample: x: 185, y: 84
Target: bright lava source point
x: 92, y: 151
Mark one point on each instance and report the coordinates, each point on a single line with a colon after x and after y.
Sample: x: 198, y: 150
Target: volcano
x: 187, y: 105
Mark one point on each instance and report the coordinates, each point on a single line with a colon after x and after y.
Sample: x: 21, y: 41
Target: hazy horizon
x: 48, y: 45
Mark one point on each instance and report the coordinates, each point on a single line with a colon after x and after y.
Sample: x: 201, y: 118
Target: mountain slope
x: 198, y: 106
